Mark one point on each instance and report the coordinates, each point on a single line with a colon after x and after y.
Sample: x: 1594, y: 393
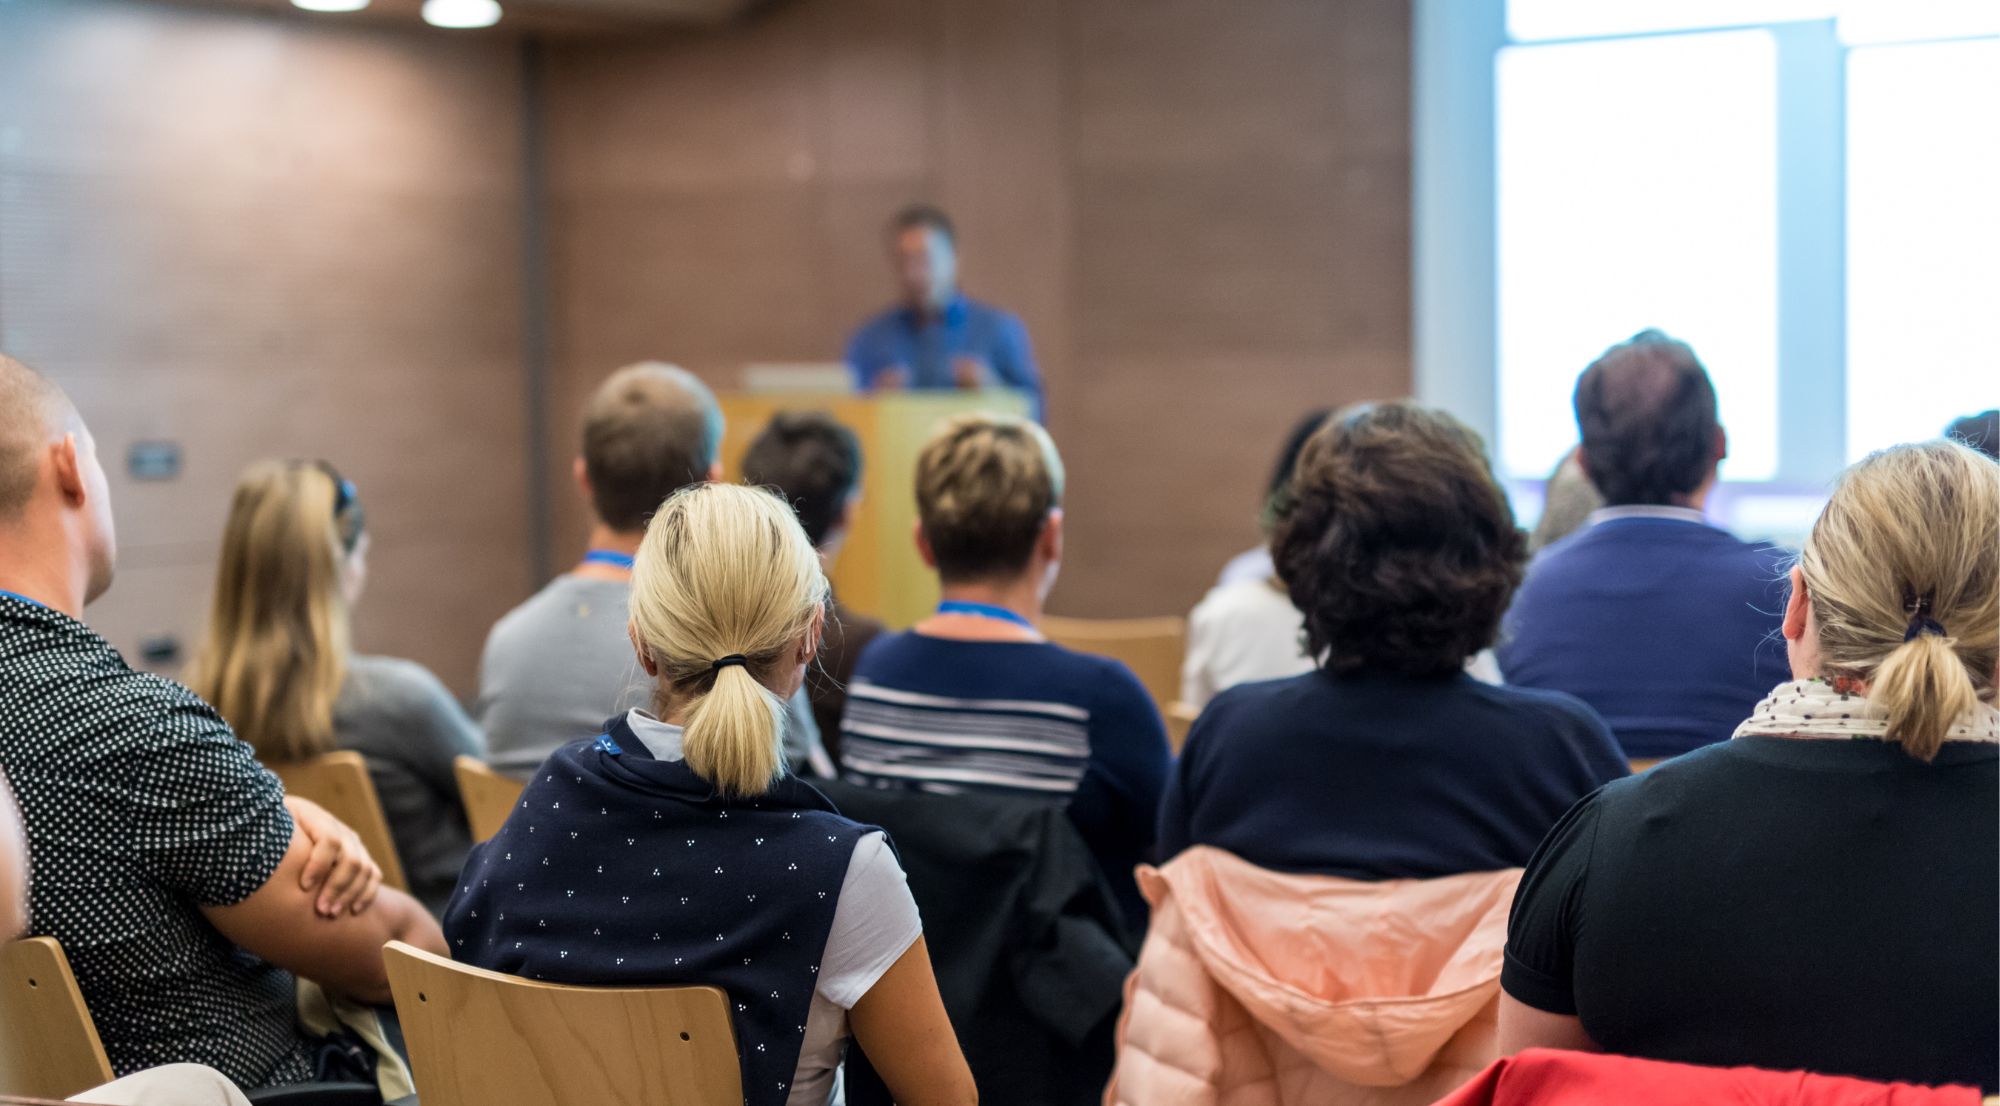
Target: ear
x: 1721, y: 445
x: 714, y: 471
x: 1050, y: 543
x: 815, y: 633
x: 69, y: 471
x: 924, y: 547
x: 645, y: 659
x: 580, y: 473
x: 1583, y: 462
x: 1797, y: 606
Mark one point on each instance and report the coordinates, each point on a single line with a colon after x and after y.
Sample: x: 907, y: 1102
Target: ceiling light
x: 330, y: 5
x: 461, y: 13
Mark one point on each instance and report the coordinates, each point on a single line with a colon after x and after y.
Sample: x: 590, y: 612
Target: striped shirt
x: 1028, y: 719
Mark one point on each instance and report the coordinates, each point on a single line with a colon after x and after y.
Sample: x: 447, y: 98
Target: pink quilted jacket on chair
x: 1257, y: 988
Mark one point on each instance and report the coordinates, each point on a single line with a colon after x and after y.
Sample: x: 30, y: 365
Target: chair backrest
x: 480, y: 1038
x: 48, y: 1045
x: 489, y: 797
x: 1150, y: 647
x: 1640, y: 764
x: 1180, y: 718
x: 339, y: 782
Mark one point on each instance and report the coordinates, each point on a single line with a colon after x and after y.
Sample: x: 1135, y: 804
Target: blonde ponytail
x: 725, y: 591
x: 1903, y: 573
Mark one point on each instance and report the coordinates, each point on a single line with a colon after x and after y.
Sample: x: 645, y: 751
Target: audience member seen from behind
x: 559, y: 664
x: 1389, y: 761
x: 1568, y: 501
x: 182, y: 883
x: 675, y: 850
x: 168, y: 1085
x: 277, y: 663
x: 1820, y: 892
x: 1246, y: 628
x: 1664, y: 624
x: 815, y: 463
x: 973, y: 698
x: 1981, y: 432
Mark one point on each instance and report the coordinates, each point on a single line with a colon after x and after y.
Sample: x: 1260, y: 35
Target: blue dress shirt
x: 926, y: 347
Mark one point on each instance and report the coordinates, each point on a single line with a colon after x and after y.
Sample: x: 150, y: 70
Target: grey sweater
x: 399, y: 717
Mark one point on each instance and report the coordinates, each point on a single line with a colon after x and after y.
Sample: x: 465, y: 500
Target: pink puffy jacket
x: 1257, y: 988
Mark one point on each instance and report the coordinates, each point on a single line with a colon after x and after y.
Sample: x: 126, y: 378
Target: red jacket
x: 1551, y: 1077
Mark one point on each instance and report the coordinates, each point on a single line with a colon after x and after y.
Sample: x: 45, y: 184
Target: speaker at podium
x: 878, y: 571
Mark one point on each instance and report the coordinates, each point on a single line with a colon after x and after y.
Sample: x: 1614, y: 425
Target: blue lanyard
x: 609, y: 557
x: 983, y: 610
x: 22, y: 598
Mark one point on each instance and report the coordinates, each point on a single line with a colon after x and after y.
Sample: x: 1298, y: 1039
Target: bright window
x: 1923, y: 238
x: 1637, y: 187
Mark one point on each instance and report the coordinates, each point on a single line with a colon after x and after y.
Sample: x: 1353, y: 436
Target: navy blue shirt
x: 1667, y: 626
x: 1374, y: 775
x: 926, y: 346
x: 1029, y: 719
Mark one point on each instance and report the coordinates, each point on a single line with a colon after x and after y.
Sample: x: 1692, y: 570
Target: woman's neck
x: 1020, y: 595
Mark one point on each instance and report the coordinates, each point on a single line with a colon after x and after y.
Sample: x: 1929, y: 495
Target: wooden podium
x: 878, y: 571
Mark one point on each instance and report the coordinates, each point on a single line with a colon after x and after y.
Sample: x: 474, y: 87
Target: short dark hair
x: 649, y: 431
x: 1646, y: 410
x: 811, y: 460
x: 924, y: 215
x: 1980, y: 431
x: 1397, y: 544
x: 1277, y: 487
x: 985, y: 487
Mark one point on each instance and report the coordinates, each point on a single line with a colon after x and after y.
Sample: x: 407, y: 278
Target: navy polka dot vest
x: 620, y: 869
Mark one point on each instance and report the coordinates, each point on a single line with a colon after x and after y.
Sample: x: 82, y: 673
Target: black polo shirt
x: 141, y: 807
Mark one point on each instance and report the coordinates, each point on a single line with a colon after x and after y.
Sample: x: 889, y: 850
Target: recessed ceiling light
x: 330, y: 5
x: 461, y: 13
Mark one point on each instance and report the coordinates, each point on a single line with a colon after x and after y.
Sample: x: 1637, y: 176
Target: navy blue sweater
x: 619, y: 869
x: 1667, y: 628
x: 1380, y: 776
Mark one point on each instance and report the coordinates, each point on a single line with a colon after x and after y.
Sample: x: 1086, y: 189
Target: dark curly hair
x: 1396, y: 543
x: 813, y: 461
x: 1646, y: 410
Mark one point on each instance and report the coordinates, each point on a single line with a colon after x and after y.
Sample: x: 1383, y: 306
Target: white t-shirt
x: 874, y: 924
x: 1241, y: 631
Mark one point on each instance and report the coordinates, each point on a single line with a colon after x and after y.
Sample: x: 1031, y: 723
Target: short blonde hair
x: 985, y: 487
x: 725, y: 571
x: 1901, y: 572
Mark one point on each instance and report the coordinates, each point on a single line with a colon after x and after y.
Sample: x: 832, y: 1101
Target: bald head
x: 1646, y: 411
x: 650, y: 430
x: 33, y: 413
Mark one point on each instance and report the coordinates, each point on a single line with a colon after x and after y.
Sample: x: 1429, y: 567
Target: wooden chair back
x: 1151, y: 647
x: 49, y: 1047
x: 1640, y: 764
x: 489, y: 797
x: 339, y: 782
x: 480, y: 1038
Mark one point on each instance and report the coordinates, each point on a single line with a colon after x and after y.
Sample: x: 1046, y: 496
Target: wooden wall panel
x: 1200, y: 209
x: 260, y: 237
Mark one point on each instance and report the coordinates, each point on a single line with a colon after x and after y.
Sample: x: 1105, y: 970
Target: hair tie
x: 1922, y: 626
x: 736, y: 659
x: 1918, y: 607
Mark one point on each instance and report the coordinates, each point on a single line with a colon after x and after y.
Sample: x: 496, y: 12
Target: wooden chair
x: 48, y: 1045
x: 480, y: 1038
x: 339, y: 782
x: 1180, y: 718
x: 489, y: 797
x: 1642, y: 763
x: 1150, y: 647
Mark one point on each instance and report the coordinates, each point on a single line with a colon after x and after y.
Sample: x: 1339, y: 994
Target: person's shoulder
x: 1539, y: 702
x: 393, y: 683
